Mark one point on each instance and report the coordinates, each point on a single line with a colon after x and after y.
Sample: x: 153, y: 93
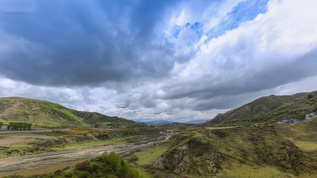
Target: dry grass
x: 220, y: 128
x: 42, y: 170
x: 249, y: 171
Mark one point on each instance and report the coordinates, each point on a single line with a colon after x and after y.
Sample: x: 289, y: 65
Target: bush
x: 69, y: 173
x: 83, y: 174
x: 111, y: 165
x: 9, y: 151
x: 120, y: 167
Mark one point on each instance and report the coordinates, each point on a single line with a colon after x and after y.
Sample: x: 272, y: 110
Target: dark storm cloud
x: 86, y: 42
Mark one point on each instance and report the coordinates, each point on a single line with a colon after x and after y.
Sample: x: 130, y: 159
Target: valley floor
x: 10, y: 166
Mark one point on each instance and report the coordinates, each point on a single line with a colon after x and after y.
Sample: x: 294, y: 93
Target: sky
x: 176, y: 60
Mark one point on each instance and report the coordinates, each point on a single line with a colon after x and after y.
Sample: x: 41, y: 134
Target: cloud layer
x: 176, y: 60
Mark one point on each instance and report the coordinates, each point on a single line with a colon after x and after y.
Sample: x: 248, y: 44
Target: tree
x: 19, y: 126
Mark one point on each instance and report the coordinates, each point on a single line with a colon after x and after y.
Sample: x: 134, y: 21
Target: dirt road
x: 58, y: 157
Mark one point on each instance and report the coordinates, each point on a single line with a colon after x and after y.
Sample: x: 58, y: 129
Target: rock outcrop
x: 294, y: 121
x: 313, y: 114
x: 194, y: 157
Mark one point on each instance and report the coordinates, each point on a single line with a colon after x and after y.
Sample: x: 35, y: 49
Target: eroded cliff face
x: 193, y: 157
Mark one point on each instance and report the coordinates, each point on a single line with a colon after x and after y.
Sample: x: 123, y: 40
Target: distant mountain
x: 52, y: 114
x: 255, y: 111
x: 197, y: 121
x: 158, y: 122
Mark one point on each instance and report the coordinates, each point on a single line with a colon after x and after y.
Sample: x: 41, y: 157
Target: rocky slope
x: 266, y: 150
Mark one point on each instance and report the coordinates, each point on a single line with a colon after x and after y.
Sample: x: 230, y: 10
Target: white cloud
x: 275, y: 38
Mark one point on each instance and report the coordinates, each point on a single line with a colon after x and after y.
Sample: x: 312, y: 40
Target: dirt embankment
x: 58, y: 157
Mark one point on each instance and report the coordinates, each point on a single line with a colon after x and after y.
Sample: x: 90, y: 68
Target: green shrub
x: 83, y: 174
x: 26, y: 114
x: 69, y: 173
x: 28, y: 103
x: 9, y: 151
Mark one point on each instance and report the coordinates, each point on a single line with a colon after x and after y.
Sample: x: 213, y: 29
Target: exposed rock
x: 182, y: 167
x: 196, y: 157
x: 180, y: 155
x: 211, y: 166
x: 308, y: 116
x: 294, y: 121
x: 290, y: 121
x: 172, y: 160
x: 158, y: 163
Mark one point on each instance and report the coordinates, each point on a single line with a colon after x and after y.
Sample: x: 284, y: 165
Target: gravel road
x: 58, y: 157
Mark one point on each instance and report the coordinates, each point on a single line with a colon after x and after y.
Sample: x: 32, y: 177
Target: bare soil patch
x: 30, y: 135
x: 7, y: 142
x: 7, y: 139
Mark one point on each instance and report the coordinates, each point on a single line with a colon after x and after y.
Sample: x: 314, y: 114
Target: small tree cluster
x: 1, y: 124
x: 120, y: 167
x: 19, y: 126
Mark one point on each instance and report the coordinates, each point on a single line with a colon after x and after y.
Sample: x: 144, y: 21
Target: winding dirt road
x: 58, y: 157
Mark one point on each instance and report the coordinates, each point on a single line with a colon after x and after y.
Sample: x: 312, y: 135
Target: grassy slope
x: 262, y: 150
x: 149, y: 156
x: 295, y: 109
x: 51, y: 114
x: 248, y: 113
x: 100, y: 119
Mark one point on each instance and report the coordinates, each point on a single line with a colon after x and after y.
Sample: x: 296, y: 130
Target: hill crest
x: 53, y: 114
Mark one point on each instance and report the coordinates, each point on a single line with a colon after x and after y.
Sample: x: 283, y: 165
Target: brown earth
x: 20, y: 138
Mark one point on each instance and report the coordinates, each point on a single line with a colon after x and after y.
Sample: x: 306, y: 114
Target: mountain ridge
x: 252, y: 110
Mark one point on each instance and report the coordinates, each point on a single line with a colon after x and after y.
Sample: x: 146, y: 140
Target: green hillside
x: 52, y: 114
x: 295, y: 109
x: 255, y: 111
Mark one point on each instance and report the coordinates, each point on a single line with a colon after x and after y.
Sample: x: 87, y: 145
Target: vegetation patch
x: 75, y: 139
x: 149, y: 156
x: 262, y: 150
x: 111, y: 165
x: 19, y: 126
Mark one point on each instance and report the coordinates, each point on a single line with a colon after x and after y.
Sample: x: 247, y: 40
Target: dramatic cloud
x: 85, y: 42
x: 175, y: 60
